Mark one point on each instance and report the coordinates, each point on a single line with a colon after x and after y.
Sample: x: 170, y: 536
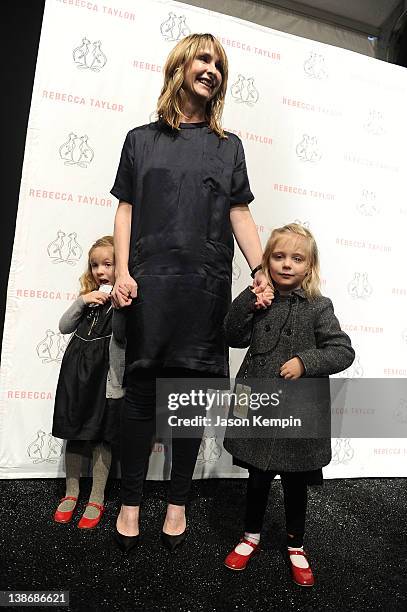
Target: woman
x: 183, y: 193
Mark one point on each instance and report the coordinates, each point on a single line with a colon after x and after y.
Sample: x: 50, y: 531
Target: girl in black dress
x: 86, y: 411
x: 183, y: 195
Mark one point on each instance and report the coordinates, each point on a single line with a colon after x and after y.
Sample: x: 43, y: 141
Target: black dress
x: 181, y: 186
x: 81, y: 410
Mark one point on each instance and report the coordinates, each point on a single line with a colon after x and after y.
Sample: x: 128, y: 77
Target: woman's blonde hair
x: 87, y: 281
x: 172, y: 97
x: 312, y: 281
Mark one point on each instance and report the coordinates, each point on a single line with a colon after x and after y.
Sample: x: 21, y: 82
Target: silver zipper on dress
x: 94, y: 321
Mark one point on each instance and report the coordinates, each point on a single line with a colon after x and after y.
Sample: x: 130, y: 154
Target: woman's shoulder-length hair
x: 172, y: 94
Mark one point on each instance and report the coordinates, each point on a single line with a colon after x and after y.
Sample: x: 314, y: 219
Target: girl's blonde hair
x: 87, y: 281
x: 172, y: 97
x: 312, y: 281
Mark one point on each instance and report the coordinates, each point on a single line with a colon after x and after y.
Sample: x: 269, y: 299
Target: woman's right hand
x: 95, y: 297
x: 124, y: 290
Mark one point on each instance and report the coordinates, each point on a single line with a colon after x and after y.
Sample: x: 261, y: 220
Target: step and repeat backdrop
x: 324, y: 134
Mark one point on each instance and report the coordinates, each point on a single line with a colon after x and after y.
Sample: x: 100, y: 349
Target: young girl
x: 298, y: 336
x: 86, y: 411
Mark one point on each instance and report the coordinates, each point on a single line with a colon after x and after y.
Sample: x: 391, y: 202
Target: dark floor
x: 356, y: 539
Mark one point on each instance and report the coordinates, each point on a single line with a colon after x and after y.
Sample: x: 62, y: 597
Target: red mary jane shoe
x: 235, y: 561
x: 87, y: 523
x: 302, y: 576
x: 65, y: 517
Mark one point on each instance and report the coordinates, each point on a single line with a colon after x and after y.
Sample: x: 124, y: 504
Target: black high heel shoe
x: 125, y: 543
x: 171, y: 542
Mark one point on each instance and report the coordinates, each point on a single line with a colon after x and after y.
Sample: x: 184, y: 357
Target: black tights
x: 137, y: 430
x: 295, y: 502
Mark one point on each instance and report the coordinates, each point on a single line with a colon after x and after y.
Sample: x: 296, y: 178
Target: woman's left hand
x: 292, y: 369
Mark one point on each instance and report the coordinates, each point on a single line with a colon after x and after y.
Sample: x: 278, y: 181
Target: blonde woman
x: 183, y: 194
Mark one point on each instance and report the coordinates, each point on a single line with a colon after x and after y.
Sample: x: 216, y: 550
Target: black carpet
x: 356, y: 540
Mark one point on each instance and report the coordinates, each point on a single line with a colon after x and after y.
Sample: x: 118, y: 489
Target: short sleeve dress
x: 181, y: 185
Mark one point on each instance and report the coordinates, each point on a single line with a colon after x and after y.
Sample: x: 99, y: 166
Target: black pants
x: 137, y: 430
x: 295, y: 502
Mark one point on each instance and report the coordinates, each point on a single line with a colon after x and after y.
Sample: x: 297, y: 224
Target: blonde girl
x: 298, y: 336
x: 87, y: 400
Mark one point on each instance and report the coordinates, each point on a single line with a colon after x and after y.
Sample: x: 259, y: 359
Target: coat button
x: 267, y: 328
x: 287, y: 332
x: 262, y: 362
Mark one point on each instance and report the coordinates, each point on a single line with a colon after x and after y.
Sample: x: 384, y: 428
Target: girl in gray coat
x: 298, y: 336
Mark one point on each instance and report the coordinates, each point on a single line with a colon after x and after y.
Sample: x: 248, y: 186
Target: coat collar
x: 300, y: 292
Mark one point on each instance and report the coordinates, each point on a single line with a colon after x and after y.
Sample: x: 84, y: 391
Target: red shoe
x: 87, y: 523
x: 235, y: 561
x: 302, y: 576
x: 65, y: 517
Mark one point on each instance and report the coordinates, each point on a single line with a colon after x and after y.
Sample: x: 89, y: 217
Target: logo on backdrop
x: 355, y: 370
x: 400, y: 413
x: 307, y: 149
x: 244, y: 90
x: 342, y: 451
x: 174, y: 28
x: 404, y: 335
x: 76, y: 151
x: 303, y: 223
x: 44, y: 448
x: 210, y: 449
x: 52, y: 347
x: 375, y: 123
x: 87, y: 58
x: 367, y: 204
x: 359, y: 287
x: 153, y: 116
x: 236, y: 270
x: 314, y: 66
x: 65, y: 249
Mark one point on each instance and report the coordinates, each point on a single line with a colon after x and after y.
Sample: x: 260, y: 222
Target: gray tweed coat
x: 292, y: 326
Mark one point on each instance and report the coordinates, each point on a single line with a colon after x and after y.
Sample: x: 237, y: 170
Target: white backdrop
x: 324, y: 134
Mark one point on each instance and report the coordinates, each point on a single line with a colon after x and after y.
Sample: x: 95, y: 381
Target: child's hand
x: 292, y: 369
x: 260, y: 282
x: 125, y: 288
x: 96, y: 297
x: 264, y: 298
